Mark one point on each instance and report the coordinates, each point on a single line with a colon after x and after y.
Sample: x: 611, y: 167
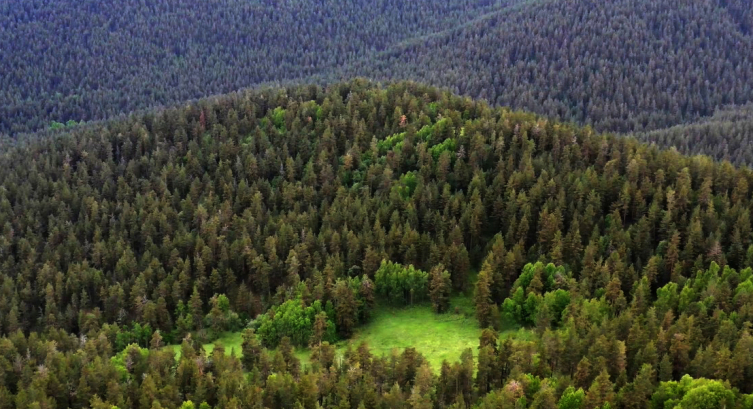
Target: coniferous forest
x: 459, y: 204
x: 622, y: 66
x: 288, y: 214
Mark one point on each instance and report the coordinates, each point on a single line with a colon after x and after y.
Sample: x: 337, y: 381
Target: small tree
x: 251, y: 349
x: 346, y: 309
x: 440, y: 286
x: 483, y: 298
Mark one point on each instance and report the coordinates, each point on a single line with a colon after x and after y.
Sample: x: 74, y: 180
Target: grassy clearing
x: 438, y: 337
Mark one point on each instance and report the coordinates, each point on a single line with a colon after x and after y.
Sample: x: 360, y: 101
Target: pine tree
x: 156, y: 341
x: 196, y: 306
x: 250, y: 349
x: 482, y: 298
x: 665, y: 369
x: 345, y: 308
x: 440, y: 286
x: 418, y: 400
x: 485, y: 370
x: 367, y: 297
x: 583, y: 371
x: 319, y: 330
x: 600, y: 392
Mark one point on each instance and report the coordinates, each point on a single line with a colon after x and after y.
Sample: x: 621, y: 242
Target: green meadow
x: 437, y: 337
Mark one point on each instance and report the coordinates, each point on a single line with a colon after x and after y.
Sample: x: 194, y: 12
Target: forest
x: 623, y: 66
x: 725, y: 136
x: 288, y: 214
x: 93, y: 59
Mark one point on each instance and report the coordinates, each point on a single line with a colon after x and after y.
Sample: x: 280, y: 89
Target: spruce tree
x: 440, y: 286
x: 482, y: 298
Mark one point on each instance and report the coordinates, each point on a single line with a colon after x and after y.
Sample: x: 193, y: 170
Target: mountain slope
x: 624, y: 65
x: 727, y: 135
x: 81, y: 60
x: 630, y: 265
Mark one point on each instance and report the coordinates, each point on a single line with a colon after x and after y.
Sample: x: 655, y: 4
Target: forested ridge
x: 725, y: 136
x: 621, y: 66
x: 289, y: 213
x: 82, y: 60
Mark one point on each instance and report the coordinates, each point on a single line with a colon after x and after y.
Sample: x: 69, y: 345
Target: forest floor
x: 437, y: 337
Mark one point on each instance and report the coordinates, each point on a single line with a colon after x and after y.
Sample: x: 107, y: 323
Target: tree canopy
x: 620, y: 66
x: 285, y: 212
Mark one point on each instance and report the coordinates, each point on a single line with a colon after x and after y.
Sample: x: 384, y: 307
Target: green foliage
x: 59, y: 125
x: 392, y: 142
x: 221, y: 318
x: 400, y: 284
x: 522, y: 308
x: 667, y: 298
x: 694, y: 393
x: 572, y: 399
x: 425, y: 133
x: 278, y: 118
x: 448, y: 145
x: 131, y: 360
x: 137, y: 334
x: 408, y: 183
x: 557, y: 301
x: 291, y: 319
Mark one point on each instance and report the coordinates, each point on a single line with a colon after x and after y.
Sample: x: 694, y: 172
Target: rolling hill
x: 82, y: 60
x: 289, y: 214
x: 622, y: 66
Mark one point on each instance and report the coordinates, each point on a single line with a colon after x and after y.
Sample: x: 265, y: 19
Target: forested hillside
x: 621, y: 66
x: 727, y: 135
x: 304, y: 207
x: 91, y: 59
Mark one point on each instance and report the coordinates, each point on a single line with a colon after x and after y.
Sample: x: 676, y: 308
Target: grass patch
x: 437, y: 337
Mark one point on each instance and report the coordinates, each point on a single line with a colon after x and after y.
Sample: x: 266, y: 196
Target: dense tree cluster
x: 727, y: 135
x: 621, y: 66
x: 401, y: 284
x: 632, y: 263
x: 534, y: 297
x: 81, y: 60
x: 72, y: 373
x: 297, y: 321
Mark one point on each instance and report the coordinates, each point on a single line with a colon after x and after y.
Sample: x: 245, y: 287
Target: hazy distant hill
x: 727, y: 135
x: 82, y: 59
x: 621, y: 65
